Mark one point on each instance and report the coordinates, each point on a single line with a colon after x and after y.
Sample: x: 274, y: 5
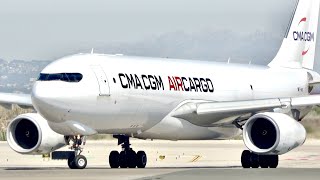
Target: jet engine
x: 30, y: 134
x: 273, y: 133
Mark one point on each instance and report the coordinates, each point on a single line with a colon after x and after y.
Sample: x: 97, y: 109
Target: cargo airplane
x: 153, y: 98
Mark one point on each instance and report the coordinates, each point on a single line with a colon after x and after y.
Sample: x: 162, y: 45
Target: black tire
x: 80, y: 162
x: 114, y: 159
x: 141, y: 159
x: 71, y: 162
x: 273, y: 161
x: 264, y: 161
x: 254, y: 160
x: 245, y: 159
x: 131, y: 159
x: 123, y: 160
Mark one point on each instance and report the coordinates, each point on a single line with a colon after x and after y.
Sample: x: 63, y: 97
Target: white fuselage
x: 135, y: 95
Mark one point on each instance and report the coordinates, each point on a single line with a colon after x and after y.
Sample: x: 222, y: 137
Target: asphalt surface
x: 166, y: 160
x: 221, y: 173
x: 241, y: 174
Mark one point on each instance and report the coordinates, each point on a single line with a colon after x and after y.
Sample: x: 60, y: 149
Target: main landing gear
x: 127, y: 158
x: 249, y: 159
x: 76, y: 160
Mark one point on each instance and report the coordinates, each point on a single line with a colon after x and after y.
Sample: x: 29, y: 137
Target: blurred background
x: 35, y: 32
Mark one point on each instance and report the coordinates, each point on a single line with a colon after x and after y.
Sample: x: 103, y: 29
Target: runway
x: 166, y: 160
x: 160, y: 174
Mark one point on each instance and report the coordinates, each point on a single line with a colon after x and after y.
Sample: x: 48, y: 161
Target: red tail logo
x: 303, y: 20
x: 305, y: 52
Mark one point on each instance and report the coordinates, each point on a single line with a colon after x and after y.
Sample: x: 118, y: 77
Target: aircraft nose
x: 44, y: 101
x: 39, y: 94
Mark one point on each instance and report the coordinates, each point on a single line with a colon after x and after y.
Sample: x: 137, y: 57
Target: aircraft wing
x: 210, y: 114
x: 313, y: 83
x: 22, y: 100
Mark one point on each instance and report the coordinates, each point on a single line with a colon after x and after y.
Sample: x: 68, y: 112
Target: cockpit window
x: 67, y: 77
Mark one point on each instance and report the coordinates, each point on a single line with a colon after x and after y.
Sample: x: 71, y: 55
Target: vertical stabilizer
x: 299, y: 44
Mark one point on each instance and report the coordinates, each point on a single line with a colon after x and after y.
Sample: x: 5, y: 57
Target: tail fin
x: 299, y: 45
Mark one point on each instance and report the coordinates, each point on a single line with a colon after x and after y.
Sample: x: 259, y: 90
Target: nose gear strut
x: 77, y: 161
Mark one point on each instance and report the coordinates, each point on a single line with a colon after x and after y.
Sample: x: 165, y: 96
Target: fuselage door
x: 102, y: 80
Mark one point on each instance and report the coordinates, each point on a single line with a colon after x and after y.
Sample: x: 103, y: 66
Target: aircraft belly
x: 171, y: 128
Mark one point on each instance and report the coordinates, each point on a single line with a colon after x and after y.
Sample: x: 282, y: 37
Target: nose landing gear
x: 127, y: 158
x: 77, y: 161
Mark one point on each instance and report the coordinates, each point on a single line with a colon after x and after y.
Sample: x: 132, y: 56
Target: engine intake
x: 31, y: 134
x: 263, y: 133
x: 273, y: 133
x: 26, y: 134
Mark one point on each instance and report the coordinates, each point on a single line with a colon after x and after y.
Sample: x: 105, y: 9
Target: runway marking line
x: 196, y: 158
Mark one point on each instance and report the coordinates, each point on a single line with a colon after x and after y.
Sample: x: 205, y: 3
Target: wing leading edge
x: 22, y: 100
x: 212, y: 114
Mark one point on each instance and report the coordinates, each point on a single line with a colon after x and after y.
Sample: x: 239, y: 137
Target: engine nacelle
x: 273, y: 133
x: 30, y: 134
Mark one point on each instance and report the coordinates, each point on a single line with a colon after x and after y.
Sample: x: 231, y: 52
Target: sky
x: 50, y: 29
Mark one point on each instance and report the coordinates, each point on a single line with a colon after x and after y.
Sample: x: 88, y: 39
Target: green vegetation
x: 6, y: 116
x: 312, y: 123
